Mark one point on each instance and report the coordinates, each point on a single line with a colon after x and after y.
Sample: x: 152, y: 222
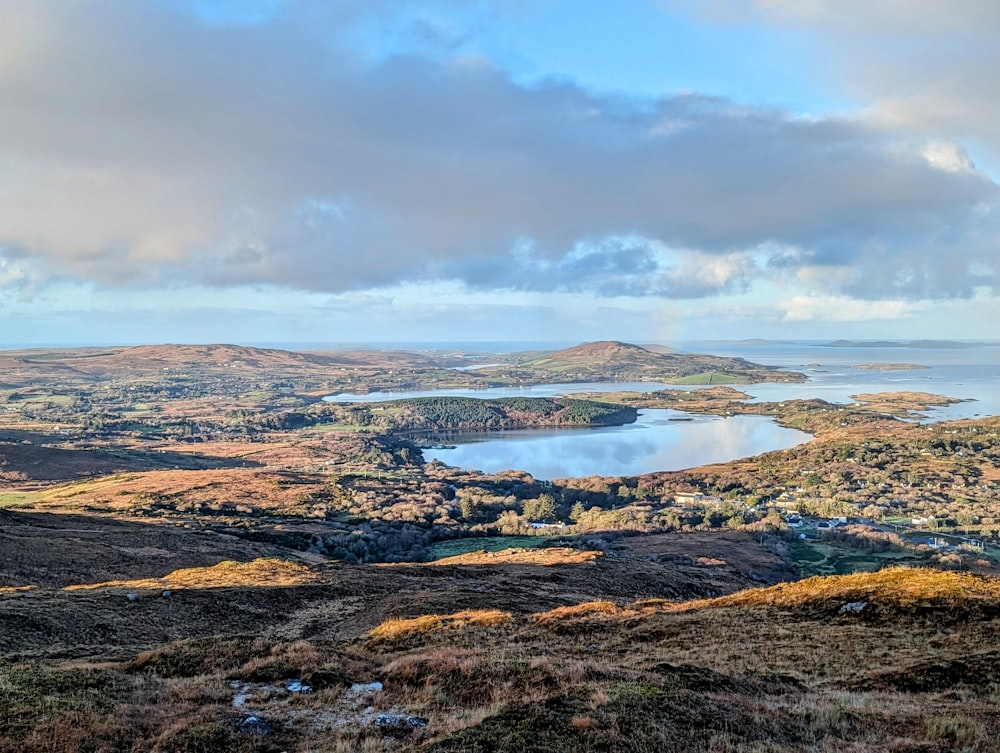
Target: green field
x: 16, y: 499
x: 47, y: 399
x: 822, y: 558
x: 486, y: 544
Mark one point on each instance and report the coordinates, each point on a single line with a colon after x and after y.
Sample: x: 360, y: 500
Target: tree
x: 965, y: 519
x: 543, y: 508
x: 470, y: 509
x: 509, y: 523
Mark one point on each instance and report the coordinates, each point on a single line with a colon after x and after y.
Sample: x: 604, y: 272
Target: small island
x: 904, y: 403
x: 889, y: 366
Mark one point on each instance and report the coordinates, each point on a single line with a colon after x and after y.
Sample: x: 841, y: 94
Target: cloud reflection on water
x: 653, y: 443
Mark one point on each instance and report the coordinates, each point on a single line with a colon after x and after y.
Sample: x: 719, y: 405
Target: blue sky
x: 283, y: 171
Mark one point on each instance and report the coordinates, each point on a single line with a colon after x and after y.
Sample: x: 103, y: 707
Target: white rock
x: 366, y: 688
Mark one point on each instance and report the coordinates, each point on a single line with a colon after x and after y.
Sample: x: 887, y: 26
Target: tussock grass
x: 283, y: 660
x: 885, y: 592
x: 248, y: 658
x: 764, y: 670
x: 56, y: 710
x: 896, y: 586
x: 477, y: 678
x: 545, y: 556
x: 200, y: 656
x: 590, y: 613
x: 959, y: 732
x: 228, y: 574
x: 406, y: 627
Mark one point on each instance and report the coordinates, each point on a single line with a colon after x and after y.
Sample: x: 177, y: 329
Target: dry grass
x: 15, y: 590
x: 396, y: 629
x: 271, y: 573
x: 546, y: 557
x: 590, y: 612
x: 884, y: 592
x: 766, y: 670
x: 898, y: 587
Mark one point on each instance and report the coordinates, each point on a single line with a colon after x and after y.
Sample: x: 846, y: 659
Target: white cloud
x: 826, y: 278
x: 842, y: 309
x: 141, y: 147
x: 948, y: 156
x: 880, y: 17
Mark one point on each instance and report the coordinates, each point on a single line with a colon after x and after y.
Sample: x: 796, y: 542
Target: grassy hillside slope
x: 536, y: 651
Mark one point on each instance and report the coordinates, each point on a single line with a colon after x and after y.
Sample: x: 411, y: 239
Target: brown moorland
x: 898, y: 660
x: 184, y: 532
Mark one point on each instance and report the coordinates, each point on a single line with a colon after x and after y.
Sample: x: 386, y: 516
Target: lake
x: 538, y: 390
x: 659, y: 442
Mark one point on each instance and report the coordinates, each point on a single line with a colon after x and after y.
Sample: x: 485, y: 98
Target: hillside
x: 59, y: 385
x: 606, y: 652
x: 148, y: 360
x: 611, y: 360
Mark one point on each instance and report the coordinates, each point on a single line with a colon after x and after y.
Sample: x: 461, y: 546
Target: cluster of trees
x: 474, y: 414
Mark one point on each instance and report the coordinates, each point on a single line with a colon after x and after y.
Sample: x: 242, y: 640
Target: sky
x: 289, y: 171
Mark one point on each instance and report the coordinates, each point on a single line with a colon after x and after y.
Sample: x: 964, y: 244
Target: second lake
x: 660, y: 440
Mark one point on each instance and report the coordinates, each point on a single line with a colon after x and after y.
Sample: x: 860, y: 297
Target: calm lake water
x: 660, y: 442
x: 538, y: 390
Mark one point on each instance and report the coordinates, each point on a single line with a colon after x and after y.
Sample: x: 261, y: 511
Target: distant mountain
x: 606, y: 352
x: 199, y: 370
x: 204, y: 369
x: 612, y: 360
x: 757, y: 341
x: 225, y: 357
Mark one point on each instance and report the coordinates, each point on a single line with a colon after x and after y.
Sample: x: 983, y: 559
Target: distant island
x: 889, y: 366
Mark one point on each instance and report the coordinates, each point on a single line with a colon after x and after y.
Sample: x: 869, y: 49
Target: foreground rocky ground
x: 548, y: 649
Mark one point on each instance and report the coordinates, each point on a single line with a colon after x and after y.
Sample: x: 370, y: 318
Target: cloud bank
x: 144, y: 146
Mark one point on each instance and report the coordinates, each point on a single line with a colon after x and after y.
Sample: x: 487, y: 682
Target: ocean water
x: 970, y: 373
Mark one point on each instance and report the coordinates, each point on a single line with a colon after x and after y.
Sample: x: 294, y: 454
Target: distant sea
x: 967, y: 371
x: 964, y: 370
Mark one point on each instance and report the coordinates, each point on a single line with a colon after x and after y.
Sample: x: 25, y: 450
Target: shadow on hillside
x: 31, y: 462
x: 54, y: 550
